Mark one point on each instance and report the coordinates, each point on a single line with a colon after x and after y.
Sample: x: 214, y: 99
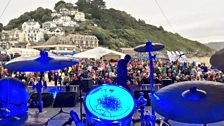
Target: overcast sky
x: 200, y: 20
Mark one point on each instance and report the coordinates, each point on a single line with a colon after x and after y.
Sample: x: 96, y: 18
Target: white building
x: 47, y: 25
x: 22, y: 36
x: 65, y: 21
x: 31, y: 24
x: 11, y: 35
x: 64, y: 11
x: 70, y: 24
x: 65, y: 18
x: 34, y: 35
x: 83, y: 41
x: 32, y: 31
x: 56, y: 31
x: 14, y: 34
x: 60, y: 20
x: 79, y: 16
x: 73, y: 12
x: 5, y: 35
x: 55, y: 14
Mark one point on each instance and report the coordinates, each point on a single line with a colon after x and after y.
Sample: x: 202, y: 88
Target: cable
x: 164, y: 15
x: 6, y: 6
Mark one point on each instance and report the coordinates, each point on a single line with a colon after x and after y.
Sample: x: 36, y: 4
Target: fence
x: 72, y: 88
x: 75, y: 88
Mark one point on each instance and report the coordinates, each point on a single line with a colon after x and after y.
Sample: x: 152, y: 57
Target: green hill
x: 40, y: 15
x: 116, y: 29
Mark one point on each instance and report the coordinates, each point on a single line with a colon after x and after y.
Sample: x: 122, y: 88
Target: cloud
x: 193, y: 19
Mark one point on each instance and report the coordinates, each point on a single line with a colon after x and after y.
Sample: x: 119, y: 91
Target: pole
x: 80, y: 100
x: 149, y: 46
x: 39, y: 88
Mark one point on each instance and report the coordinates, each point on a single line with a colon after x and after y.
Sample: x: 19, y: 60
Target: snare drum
x: 109, y: 105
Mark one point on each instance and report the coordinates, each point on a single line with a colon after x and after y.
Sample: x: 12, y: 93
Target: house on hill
x: 65, y: 21
x: 32, y: 31
x: 55, y: 31
x: 47, y: 25
x: 79, y: 16
x: 83, y: 41
x: 11, y: 35
x: 30, y: 24
x: 58, y: 44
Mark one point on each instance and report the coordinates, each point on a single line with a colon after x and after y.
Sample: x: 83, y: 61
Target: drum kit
x: 197, y: 102
x: 16, y: 91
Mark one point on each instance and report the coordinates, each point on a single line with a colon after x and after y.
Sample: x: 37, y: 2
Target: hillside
x: 114, y: 28
x: 216, y: 45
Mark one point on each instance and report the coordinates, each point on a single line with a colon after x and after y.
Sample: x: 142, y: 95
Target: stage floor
x: 42, y: 119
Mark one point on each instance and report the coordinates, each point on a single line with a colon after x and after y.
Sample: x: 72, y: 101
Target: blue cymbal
x: 149, y: 47
x: 197, y: 102
x: 217, y: 61
x: 40, y: 63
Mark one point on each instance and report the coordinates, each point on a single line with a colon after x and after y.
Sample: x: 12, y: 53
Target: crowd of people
x: 101, y: 72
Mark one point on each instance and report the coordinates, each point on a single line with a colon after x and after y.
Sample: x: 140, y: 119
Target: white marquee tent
x: 24, y: 51
x: 99, y: 52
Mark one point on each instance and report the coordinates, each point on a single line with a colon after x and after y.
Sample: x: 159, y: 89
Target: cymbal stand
x: 61, y: 110
x: 39, y: 87
x: 80, y: 101
x: 142, y: 103
x: 149, y: 48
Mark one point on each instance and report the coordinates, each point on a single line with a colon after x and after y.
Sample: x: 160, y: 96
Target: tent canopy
x: 99, y: 52
x: 24, y: 51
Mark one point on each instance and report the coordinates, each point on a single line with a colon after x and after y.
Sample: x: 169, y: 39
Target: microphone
x: 69, y: 122
x: 76, y: 119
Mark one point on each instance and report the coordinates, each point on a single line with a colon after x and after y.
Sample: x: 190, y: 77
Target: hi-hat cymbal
x: 149, y: 47
x: 197, y: 102
x: 217, y: 60
x: 40, y: 63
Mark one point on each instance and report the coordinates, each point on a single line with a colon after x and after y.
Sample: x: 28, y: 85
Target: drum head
x: 13, y: 96
x: 109, y: 102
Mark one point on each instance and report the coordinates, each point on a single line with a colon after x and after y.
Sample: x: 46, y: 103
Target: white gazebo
x: 100, y: 52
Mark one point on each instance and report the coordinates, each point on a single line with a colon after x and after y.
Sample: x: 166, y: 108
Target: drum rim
x: 109, y: 121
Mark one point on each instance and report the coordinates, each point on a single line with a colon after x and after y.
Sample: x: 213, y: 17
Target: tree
x: 101, y: 38
x: 46, y: 18
x: 24, y: 17
x: 40, y: 14
x: 83, y: 5
x: 96, y: 13
x: 100, y: 4
x: 60, y: 3
x: 1, y: 27
x: 69, y: 6
x: 46, y: 37
x: 161, y: 28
